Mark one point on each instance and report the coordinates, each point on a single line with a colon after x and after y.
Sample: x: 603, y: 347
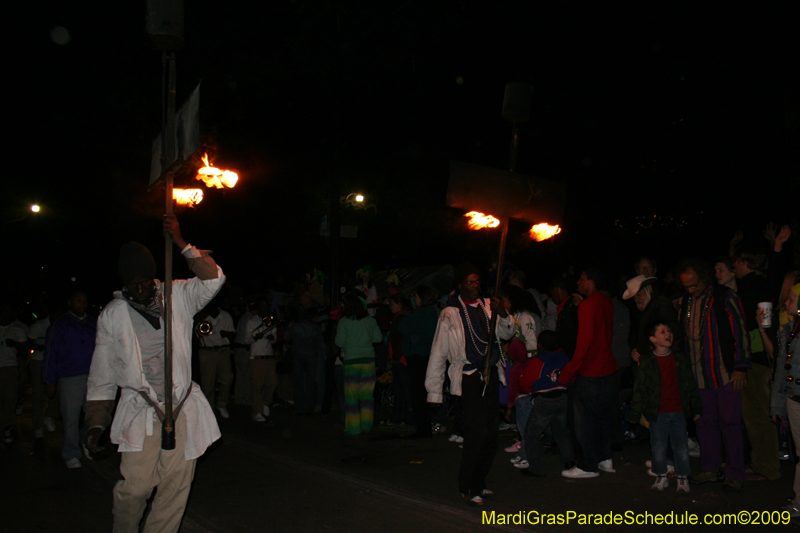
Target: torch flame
x: 543, y: 231
x: 214, y: 177
x: 480, y: 221
x: 190, y: 197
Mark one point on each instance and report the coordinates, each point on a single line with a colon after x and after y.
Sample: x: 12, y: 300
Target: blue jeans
x: 670, y: 428
x: 522, y: 408
x: 72, y: 396
x: 594, y: 419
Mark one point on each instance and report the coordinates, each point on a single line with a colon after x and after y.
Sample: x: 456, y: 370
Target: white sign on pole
x: 187, y: 136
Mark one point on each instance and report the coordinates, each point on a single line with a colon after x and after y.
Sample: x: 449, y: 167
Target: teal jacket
x: 647, y: 388
x: 418, y: 331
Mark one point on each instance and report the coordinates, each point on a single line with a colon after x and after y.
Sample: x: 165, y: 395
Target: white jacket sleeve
x: 102, y: 383
x: 434, y: 377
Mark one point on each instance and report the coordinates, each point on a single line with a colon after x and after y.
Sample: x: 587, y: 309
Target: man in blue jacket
x: 67, y: 359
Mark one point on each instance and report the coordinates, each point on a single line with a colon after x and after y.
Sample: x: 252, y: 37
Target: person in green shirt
x: 355, y: 335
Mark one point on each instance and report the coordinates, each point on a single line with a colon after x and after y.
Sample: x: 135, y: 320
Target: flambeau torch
x: 164, y: 29
x: 504, y: 195
x: 212, y: 177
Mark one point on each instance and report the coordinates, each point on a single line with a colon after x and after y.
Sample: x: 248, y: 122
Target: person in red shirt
x: 590, y: 372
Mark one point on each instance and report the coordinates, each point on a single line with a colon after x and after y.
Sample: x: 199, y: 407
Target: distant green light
x: 34, y: 315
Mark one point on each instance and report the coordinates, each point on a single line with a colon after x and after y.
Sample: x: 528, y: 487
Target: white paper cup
x: 766, y: 322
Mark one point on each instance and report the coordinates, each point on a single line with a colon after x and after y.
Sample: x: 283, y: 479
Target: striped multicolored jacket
x: 725, y: 342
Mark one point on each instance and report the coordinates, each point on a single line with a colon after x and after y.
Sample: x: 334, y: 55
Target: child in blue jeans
x: 665, y: 393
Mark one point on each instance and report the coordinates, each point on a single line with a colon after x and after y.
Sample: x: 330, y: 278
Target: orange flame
x: 214, y: 177
x: 544, y: 231
x: 190, y: 197
x: 480, y: 221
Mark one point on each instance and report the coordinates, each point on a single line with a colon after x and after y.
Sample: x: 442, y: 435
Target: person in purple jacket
x: 67, y: 359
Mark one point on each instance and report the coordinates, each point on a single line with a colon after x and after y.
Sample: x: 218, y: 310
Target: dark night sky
x: 641, y: 112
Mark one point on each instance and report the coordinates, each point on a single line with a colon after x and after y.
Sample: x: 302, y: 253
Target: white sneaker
x: 258, y: 417
x: 458, y: 439
x: 660, y: 484
x: 74, y: 462
x: 223, y: 412
x: 694, y: 448
x: 38, y: 434
x: 607, y: 466
x: 514, y: 448
x: 50, y: 424
x: 521, y: 464
x: 265, y: 411
x: 87, y: 453
x: 577, y: 473
x: 516, y: 459
x: 683, y: 484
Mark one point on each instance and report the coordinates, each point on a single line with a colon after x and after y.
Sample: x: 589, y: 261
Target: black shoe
x: 569, y: 465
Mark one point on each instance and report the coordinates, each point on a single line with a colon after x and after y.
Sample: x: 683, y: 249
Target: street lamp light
x: 356, y: 197
x: 35, y: 208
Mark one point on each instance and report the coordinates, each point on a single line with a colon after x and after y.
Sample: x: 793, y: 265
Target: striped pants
x: 359, y: 385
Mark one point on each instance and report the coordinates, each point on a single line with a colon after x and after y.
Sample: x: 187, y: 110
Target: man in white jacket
x: 461, y: 339
x: 129, y: 354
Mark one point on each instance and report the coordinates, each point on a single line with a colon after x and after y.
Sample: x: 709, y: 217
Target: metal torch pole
x: 493, y: 325
x: 512, y: 163
x: 168, y: 426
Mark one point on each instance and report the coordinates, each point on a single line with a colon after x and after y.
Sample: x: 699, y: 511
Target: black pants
x: 417, y: 368
x: 480, y: 427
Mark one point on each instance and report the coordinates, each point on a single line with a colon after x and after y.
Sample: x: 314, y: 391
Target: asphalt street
x: 303, y: 473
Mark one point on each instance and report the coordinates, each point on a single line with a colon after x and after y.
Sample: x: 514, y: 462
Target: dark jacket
x: 647, y: 388
x: 69, y: 348
x: 752, y: 289
x: 418, y: 331
x: 306, y: 339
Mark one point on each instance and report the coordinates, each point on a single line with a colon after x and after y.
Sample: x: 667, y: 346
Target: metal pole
x: 500, y: 260
x: 336, y: 225
x: 512, y: 163
x: 168, y: 426
x: 512, y: 160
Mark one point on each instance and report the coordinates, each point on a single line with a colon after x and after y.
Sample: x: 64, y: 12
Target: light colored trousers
x: 215, y: 366
x: 263, y: 382
x: 153, y: 467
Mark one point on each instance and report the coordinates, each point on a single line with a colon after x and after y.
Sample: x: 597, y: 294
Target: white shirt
x: 223, y: 322
x: 38, y: 334
x: 241, y: 328
x: 118, y: 364
x: 262, y: 346
x: 13, y: 331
